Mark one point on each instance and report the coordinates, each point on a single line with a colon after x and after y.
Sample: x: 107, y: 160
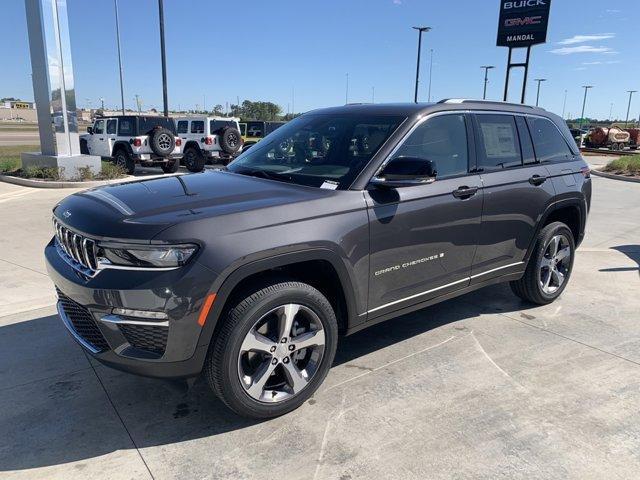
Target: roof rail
x: 488, y: 102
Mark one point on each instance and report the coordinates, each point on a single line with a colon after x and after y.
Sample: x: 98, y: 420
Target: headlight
x: 145, y: 257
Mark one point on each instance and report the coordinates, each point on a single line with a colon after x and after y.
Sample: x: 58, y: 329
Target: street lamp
x: 163, y: 57
x: 564, y: 103
x: 631, y: 92
x: 346, y: 91
x: 115, y: 5
x: 420, y: 30
x: 584, y: 102
x: 430, y: 74
x: 486, y: 79
x: 539, y: 80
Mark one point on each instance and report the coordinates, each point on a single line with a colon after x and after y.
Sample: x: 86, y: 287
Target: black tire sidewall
x: 126, y: 161
x: 545, y: 236
x: 171, y: 166
x: 233, y: 393
x: 153, y: 142
x: 196, y: 164
x: 224, y: 140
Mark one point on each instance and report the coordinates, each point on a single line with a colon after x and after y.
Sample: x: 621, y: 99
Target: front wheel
x: 171, y: 166
x: 274, y: 349
x: 124, y: 161
x: 549, y: 267
x: 193, y: 159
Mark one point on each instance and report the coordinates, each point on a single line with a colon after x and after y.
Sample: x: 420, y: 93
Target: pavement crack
x: 22, y: 266
x: 500, y: 369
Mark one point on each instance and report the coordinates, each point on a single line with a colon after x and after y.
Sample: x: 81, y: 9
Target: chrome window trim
x: 466, y: 279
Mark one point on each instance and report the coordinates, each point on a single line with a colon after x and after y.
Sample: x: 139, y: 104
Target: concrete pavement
x: 483, y: 386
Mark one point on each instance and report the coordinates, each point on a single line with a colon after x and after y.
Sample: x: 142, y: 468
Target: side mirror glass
x: 406, y: 172
x: 90, y: 130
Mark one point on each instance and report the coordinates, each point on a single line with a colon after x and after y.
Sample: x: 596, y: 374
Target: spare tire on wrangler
x: 162, y: 141
x: 230, y: 140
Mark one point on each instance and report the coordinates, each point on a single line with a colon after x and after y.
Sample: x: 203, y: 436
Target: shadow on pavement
x: 66, y: 416
x: 631, y: 251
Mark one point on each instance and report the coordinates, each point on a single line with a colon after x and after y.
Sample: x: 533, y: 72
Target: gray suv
x: 343, y: 218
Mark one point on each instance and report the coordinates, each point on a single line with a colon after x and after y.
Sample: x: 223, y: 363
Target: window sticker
x: 499, y: 140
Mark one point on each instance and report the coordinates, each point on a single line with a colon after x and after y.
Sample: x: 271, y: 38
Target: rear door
x: 423, y: 238
x: 517, y: 191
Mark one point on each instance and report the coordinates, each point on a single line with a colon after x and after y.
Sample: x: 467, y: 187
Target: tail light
x: 137, y: 142
x: 586, y: 172
x: 178, y: 142
x: 208, y: 140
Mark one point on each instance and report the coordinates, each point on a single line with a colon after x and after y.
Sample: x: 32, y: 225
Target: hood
x: 142, y: 209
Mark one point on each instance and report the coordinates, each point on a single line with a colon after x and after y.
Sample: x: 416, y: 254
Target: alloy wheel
x: 555, y: 264
x: 281, y: 353
x: 164, y: 141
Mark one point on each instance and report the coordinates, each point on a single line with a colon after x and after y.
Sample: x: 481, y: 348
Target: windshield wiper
x: 254, y: 172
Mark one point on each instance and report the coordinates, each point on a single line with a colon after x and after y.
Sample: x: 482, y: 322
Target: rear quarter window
x: 183, y: 126
x: 197, y: 126
x: 125, y: 127
x: 146, y: 124
x: 215, y: 125
x: 548, y: 142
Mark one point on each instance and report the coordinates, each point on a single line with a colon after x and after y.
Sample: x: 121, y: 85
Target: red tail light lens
x: 586, y: 172
x: 178, y: 142
x: 137, y: 142
x: 208, y: 141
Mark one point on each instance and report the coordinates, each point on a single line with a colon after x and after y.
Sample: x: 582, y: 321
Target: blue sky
x: 263, y: 50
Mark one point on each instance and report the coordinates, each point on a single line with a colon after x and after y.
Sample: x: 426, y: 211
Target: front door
x: 111, y: 132
x: 516, y: 194
x: 423, y: 238
x: 97, y: 142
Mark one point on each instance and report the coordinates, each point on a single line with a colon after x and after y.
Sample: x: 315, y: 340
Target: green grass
x: 625, y: 165
x: 10, y: 156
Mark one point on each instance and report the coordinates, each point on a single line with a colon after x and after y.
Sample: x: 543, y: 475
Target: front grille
x: 77, y: 249
x: 83, y: 322
x: 151, y: 338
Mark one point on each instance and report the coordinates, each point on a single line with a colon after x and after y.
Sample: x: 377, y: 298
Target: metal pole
x: 373, y: 94
x: 526, y: 72
x: 610, y: 111
x: 539, y: 80
x: 506, y: 80
x: 584, y: 102
x: 164, y: 59
x: 486, y: 79
x: 115, y: 4
x: 346, y: 93
x: 631, y: 92
x: 420, y: 30
x: 430, y: 72
x: 564, y: 103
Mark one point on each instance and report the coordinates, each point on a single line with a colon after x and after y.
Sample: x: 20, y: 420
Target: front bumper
x: 167, y: 348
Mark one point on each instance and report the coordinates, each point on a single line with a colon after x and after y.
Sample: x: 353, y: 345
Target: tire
x: 84, y: 148
x: 162, y: 141
x: 122, y: 158
x: 532, y: 286
x: 230, y: 140
x: 193, y: 159
x: 615, y: 146
x: 263, y: 305
x: 171, y: 166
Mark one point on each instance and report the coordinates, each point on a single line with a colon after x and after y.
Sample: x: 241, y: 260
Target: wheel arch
x: 121, y: 145
x: 191, y: 143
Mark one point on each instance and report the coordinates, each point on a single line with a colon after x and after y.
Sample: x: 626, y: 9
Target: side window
x: 548, y: 142
x: 183, y: 126
x: 498, y: 142
x: 197, y: 126
x: 525, y: 141
x: 443, y: 140
x: 112, y: 126
x: 98, y: 127
x: 125, y: 127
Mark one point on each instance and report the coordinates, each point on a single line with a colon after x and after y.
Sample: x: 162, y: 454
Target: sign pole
x: 506, y: 80
x: 526, y: 73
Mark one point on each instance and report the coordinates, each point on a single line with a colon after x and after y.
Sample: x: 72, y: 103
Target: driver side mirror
x: 406, y: 172
x: 90, y: 130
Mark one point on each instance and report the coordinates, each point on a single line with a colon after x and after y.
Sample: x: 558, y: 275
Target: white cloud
x: 586, y: 38
x: 582, y: 49
x: 397, y: 2
x: 610, y: 62
x: 613, y: 10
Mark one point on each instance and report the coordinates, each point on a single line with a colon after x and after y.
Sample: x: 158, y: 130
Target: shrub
x: 111, y: 171
x: 625, y: 165
x: 85, y: 173
x: 9, y: 164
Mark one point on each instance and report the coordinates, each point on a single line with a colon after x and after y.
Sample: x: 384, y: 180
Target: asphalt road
x: 483, y: 386
x: 10, y: 138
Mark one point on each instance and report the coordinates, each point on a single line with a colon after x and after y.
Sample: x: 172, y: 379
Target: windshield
x: 318, y: 150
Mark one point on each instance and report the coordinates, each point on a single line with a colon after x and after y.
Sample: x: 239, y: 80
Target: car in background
x: 134, y: 139
x: 208, y: 138
x: 254, y: 131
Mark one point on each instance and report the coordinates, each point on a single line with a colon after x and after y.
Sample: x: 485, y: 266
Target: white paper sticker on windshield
x: 329, y: 185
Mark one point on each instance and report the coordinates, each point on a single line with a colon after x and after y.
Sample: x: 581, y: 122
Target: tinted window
x: 215, y: 125
x: 125, y: 127
x: 197, y: 126
x: 98, y: 127
x: 498, y: 142
x: 548, y: 143
x: 443, y: 140
x: 525, y: 141
x: 111, y: 126
x: 146, y: 124
x: 318, y: 150
x: 183, y: 126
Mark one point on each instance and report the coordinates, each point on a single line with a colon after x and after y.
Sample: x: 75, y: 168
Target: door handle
x: 465, y: 192
x: 537, y: 180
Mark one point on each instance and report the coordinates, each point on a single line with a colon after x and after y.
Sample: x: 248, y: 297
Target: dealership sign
x: 523, y: 22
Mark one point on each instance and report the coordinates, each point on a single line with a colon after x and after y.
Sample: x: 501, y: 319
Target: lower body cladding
x: 109, y: 315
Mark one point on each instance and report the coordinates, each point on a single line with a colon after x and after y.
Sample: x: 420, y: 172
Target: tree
x: 218, y: 110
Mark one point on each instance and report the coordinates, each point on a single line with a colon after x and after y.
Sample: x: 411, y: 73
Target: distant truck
x: 613, y: 138
x: 634, y: 140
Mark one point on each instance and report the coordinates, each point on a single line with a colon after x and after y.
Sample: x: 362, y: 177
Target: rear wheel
x: 274, y: 349
x: 549, y: 267
x: 193, y: 159
x: 171, y: 166
x: 122, y: 159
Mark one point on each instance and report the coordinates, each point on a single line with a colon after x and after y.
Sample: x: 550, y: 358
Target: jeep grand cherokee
x: 341, y: 219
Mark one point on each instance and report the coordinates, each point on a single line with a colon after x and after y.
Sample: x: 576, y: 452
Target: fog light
x: 127, y: 312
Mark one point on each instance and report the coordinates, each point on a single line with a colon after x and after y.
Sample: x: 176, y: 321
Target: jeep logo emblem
x: 66, y: 214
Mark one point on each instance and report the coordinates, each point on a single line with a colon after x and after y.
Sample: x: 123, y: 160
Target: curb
x: 613, y: 176
x: 29, y: 182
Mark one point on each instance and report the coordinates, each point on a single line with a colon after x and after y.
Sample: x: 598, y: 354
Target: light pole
x: 420, y: 30
x: 163, y: 56
x: 631, y: 92
x: 430, y: 72
x: 373, y: 94
x: 486, y: 79
x: 610, y: 111
x: 564, y: 103
x: 584, y: 102
x: 539, y: 80
x: 115, y: 4
x: 346, y: 92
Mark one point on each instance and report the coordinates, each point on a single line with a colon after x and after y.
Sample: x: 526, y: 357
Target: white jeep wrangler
x: 208, y: 138
x: 131, y: 139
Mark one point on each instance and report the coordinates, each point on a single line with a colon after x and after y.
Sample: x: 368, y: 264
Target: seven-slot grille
x: 79, y: 249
